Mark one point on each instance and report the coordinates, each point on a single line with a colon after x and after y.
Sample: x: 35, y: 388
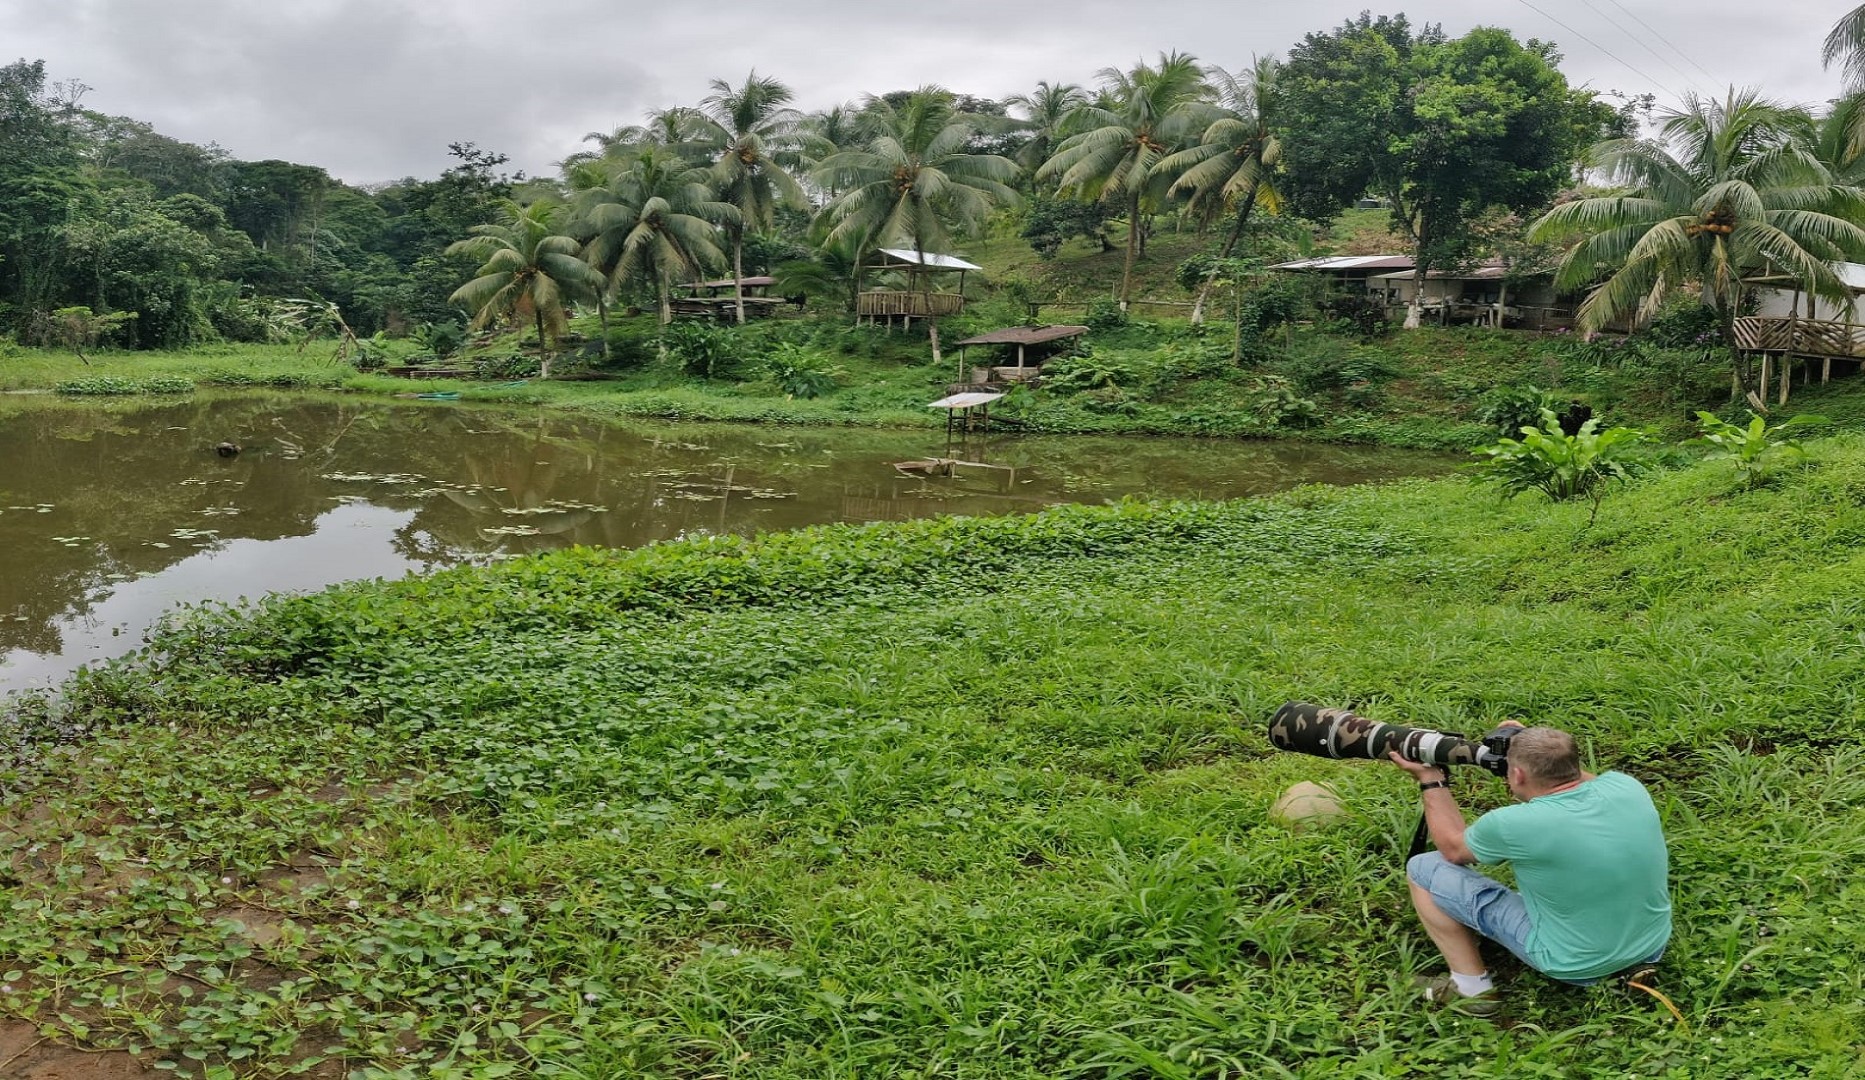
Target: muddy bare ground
x: 25, y: 1055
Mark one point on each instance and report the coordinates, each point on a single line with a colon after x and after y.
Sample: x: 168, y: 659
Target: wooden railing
x: 917, y: 305
x: 1806, y: 337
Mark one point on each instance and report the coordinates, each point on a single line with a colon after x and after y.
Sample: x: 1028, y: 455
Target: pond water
x: 112, y: 513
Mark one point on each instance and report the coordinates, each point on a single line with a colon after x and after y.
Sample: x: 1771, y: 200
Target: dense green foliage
x: 1443, y: 130
x: 953, y: 798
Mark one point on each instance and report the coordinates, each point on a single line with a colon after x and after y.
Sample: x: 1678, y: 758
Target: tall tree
x: 1121, y: 142
x: 530, y: 270
x: 1232, y: 169
x: 1442, y: 130
x: 41, y: 191
x: 1722, y: 193
x: 752, y: 133
x: 655, y: 219
x: 1046, y: 111
x: 1846, y: 44
x: 913, y: 181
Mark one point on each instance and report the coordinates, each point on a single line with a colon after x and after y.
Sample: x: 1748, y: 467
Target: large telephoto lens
x: 1341, y: 733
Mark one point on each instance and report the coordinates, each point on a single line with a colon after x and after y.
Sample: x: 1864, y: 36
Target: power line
x: 1689, y: 81
x: 1601, y: 48
x: 1691, y: 60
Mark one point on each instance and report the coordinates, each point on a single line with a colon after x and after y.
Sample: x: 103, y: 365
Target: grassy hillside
x: 959, y: 798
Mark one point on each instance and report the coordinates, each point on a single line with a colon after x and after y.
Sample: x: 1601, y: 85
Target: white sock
x: 1472, y: 985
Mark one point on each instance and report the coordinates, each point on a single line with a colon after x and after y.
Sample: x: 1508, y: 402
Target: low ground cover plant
x: 981, y: 798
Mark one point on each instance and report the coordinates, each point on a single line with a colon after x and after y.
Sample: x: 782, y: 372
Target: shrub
x: 1085, y: 371
x: 1358, y: 314
x: 1323, y: 366
x: 1757, y: 448
x: 1509, y: 409
x: 506, y: 366
x: 443, y: 339
x: 702, y: 350
x: 801, y: 373
x: 1104, y: 314
x: 1278, y: 404
x: 1562, y: 466
x: 1109, y: 400
x: 370, y: 354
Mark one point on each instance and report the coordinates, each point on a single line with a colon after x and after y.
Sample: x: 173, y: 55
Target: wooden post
x: 1787, y: 376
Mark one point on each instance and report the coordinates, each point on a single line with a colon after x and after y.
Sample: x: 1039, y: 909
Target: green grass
x: 954, y: 798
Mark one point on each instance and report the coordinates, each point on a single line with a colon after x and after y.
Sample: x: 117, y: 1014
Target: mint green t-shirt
x: 1593, y: 869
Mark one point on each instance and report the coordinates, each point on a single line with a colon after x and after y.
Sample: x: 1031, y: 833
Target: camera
x: 1341, y: 733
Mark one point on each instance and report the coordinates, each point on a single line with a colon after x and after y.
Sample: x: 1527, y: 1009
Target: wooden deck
x: 1797, y: 342
x: 1801, y: 337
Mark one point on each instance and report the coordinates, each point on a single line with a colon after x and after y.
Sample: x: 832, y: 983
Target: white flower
x: 718, y: 884
x: 591, y: 998
x: 226, y: 881
x: 506, y: 909
x: 353, y: 904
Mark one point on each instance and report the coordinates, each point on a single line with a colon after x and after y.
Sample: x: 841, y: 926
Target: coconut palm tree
x: 1232, y: 169
x: 1846, y: 43
x: 1046, y: 111
x: 654, y: 220
x: 1830, y: 139
x: 751, y: 132
x: 1121, y: 142
x: 1723, y: 192
x: 530, y: 270
x: 912, y: 181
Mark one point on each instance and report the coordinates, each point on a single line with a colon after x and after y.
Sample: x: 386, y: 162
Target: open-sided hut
x: 1035, y: 343
x: 918, y: 300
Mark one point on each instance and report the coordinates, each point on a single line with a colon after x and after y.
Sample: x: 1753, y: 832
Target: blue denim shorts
x: 1483, y: 904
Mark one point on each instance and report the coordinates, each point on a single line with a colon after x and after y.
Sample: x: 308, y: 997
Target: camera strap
x: 1421, y: 838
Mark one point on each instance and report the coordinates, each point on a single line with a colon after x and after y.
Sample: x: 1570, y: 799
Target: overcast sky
x: 374, y: 90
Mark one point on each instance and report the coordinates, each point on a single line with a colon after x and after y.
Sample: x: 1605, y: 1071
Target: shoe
x: 1443, y: 991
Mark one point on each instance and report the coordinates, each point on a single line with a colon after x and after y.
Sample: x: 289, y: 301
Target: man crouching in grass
x: 1589, y: 857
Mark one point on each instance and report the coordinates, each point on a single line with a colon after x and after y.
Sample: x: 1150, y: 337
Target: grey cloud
x: 375, y: 89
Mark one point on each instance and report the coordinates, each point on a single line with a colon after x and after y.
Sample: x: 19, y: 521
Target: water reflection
x: 113, y: 513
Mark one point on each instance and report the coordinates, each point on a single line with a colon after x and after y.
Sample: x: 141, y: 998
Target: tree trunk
x: 1133, y: 244
x: 1415, y: 312
x: 666, y: 318
x: 602, y: 316
x: 543, y: 355
x: 932, y: 321
x: 1236, y: 233
x: 738, y: 271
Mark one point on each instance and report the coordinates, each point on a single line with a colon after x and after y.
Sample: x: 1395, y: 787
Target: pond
x: 112, y: 513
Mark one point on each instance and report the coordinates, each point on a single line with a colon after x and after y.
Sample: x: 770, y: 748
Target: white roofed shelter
x: 918, y: 300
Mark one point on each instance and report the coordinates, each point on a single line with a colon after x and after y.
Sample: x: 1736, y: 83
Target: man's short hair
x: 1548, y: 755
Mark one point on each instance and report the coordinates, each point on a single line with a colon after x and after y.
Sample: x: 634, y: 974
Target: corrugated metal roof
x: 1851, y: 273
x: 966, y: 400
x: 726, y: 283
x: 1481, y: 273
x: 1349, y: 262
x: 1026, y: 335
x: 931, y: 261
